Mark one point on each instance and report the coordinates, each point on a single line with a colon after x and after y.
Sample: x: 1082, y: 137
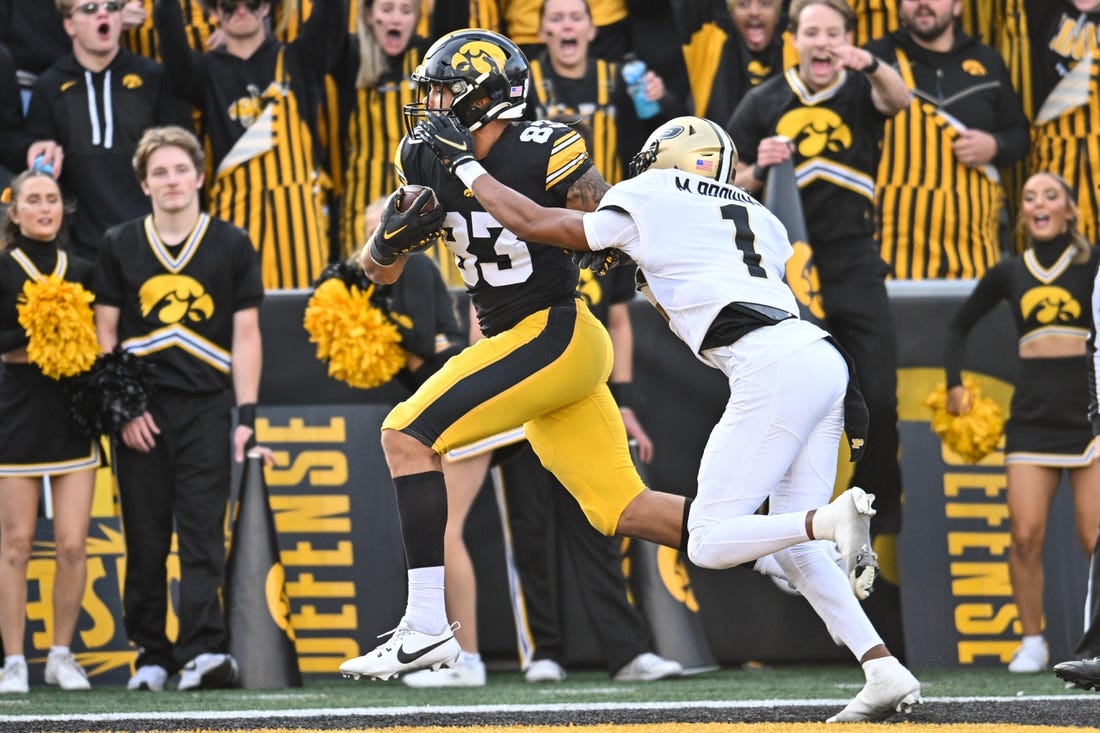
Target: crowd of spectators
x: 990, y: 71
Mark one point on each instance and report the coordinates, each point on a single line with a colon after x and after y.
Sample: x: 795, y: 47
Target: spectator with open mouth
x: 94, y: 104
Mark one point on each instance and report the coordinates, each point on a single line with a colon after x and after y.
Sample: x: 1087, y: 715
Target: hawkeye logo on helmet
x: 481, y: 56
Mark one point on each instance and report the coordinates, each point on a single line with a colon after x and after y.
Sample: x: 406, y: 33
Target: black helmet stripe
x: 727, y: 152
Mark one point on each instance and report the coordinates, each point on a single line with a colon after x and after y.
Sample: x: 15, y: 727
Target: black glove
x: 448, y: 138
x: 349, y: 271
x: 411, y: 230
x: 599, y: 261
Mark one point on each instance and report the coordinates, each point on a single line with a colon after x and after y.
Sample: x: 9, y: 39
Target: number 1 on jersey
x: 745, y: 238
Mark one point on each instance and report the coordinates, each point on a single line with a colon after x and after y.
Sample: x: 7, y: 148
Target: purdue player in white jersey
x: 712, y: 260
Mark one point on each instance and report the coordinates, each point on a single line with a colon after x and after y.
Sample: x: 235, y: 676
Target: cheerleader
x: 36, y: 440
x: 1049, y: 287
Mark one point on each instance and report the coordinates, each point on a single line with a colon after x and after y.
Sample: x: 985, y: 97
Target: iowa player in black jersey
x: 544, y: 362
x: 182, y: 290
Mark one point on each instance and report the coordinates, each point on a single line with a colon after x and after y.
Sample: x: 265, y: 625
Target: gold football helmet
x: 690, y: 144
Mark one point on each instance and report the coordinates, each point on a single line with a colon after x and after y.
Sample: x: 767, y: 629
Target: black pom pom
x: 349, y: 271
x: 112, y: 393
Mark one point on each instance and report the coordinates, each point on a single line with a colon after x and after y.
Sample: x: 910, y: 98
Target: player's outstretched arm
x: 525, y: 218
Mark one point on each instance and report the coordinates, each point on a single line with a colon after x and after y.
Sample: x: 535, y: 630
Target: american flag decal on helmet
x: 517, y: 91
x: 704, y: 165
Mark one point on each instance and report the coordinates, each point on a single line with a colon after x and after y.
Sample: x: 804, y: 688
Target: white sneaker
x: 209, y: 672
x: 464, y: 673
x: 1031, y: 656
x: 544, y: 670
x: 648, y: 667
x: 890, y: 688
x: 148, y: 677
x: 13, y: 678
x: 847, y: 522
x: 64, y: 671
x: 405, y: 651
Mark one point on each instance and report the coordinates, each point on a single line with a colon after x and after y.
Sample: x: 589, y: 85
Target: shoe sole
x: 905, y: 705
x: 434, y: 666
x: 1083, y: 683
x: 863, y: 567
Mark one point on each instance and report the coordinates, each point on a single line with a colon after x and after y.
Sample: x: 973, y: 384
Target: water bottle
x: 634, y: 75
x: 42, y: 166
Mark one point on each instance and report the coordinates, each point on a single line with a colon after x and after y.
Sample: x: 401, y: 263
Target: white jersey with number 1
x: 701, y: 245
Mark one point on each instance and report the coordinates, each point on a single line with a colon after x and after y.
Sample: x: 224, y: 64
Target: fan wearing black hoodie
x: 95, y: 103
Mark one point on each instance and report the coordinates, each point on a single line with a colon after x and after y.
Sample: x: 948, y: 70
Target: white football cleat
x: 406, y: 650
x: 890, y: 688
x: 847, y: 522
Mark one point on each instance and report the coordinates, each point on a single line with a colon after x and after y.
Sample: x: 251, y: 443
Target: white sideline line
x: 483, y: 709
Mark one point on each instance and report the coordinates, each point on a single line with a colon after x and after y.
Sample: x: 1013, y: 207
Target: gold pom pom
x: 973, y: 435
x: 359, y: 342
x: 57, y: 316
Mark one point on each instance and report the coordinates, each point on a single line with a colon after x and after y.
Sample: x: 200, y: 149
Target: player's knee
x: 400, y: 447
x: 601, y: 522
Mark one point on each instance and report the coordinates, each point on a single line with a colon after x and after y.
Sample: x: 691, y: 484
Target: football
x: 410, y: 193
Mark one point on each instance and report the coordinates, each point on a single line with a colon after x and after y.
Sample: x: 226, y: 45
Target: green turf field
x: 799, y: 682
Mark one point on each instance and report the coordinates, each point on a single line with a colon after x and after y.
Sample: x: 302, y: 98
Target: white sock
x: 59, y: 651
x: 767, y: 565
x: 426, y: 609
x: 1029, y: 640
x: 469, y: 659
x: 811, y: 569
x: 872, y: 666
x: 13, y: 659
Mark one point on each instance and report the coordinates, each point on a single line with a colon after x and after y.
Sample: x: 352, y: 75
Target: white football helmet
x: 691, y: 144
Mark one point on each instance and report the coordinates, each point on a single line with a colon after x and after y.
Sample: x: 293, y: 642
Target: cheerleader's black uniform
x: 1049, y: 295
x: 36, y: 438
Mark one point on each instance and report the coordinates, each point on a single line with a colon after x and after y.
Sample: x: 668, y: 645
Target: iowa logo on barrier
x: 674, y: 576
x: 278, y: 603
x: 804, y: 281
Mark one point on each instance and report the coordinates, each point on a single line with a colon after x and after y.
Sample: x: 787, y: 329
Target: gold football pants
x: 548, y: 373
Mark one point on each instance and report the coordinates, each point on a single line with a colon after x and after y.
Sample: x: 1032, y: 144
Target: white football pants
x: 778, y: 440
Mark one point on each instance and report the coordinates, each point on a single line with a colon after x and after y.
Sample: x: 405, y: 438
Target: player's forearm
x: 246, y: 356
x: 526, y: 219
x: 380, y: 274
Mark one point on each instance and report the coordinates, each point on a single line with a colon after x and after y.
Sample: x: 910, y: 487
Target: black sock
x: 684, y: 526
x: 422, y: 504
